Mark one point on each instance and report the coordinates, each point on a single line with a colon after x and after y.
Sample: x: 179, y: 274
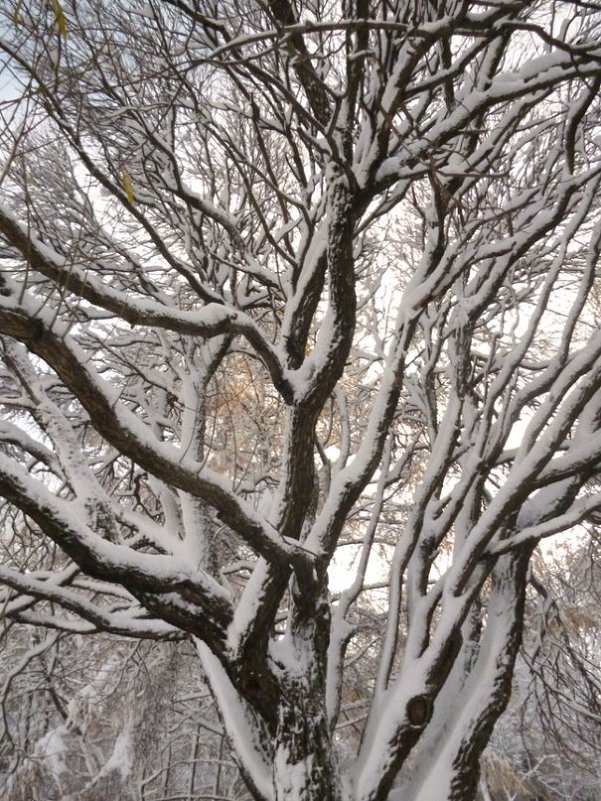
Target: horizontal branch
x: 130, y: 623
x: 166, y: 585
x: 122, y: 429
x: 210, y: 321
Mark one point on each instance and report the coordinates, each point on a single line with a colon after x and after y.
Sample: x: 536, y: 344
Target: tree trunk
x: 304, y: 765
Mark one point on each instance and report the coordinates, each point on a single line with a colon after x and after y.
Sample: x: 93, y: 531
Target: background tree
x: 90, y: 718
x: 547, y: 743
x: 284, y: 280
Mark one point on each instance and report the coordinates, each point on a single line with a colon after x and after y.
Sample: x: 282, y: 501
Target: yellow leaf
x: 128, y: 187
x: 17, y: 12
x: 59, y: 16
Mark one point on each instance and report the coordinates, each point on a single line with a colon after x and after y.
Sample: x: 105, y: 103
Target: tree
x: 90, y: 718
x: 284, y: 281
x: 548, y: 741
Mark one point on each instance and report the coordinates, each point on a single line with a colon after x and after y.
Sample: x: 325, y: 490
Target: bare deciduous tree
x: 290, y: 289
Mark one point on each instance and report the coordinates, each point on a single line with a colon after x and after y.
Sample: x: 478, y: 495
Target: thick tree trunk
x: 304, y: 766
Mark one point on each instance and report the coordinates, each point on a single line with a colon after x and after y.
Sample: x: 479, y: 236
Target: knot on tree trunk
x: 419, y: 711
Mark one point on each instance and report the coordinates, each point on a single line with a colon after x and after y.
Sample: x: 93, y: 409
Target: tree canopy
x: 301, y: 357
